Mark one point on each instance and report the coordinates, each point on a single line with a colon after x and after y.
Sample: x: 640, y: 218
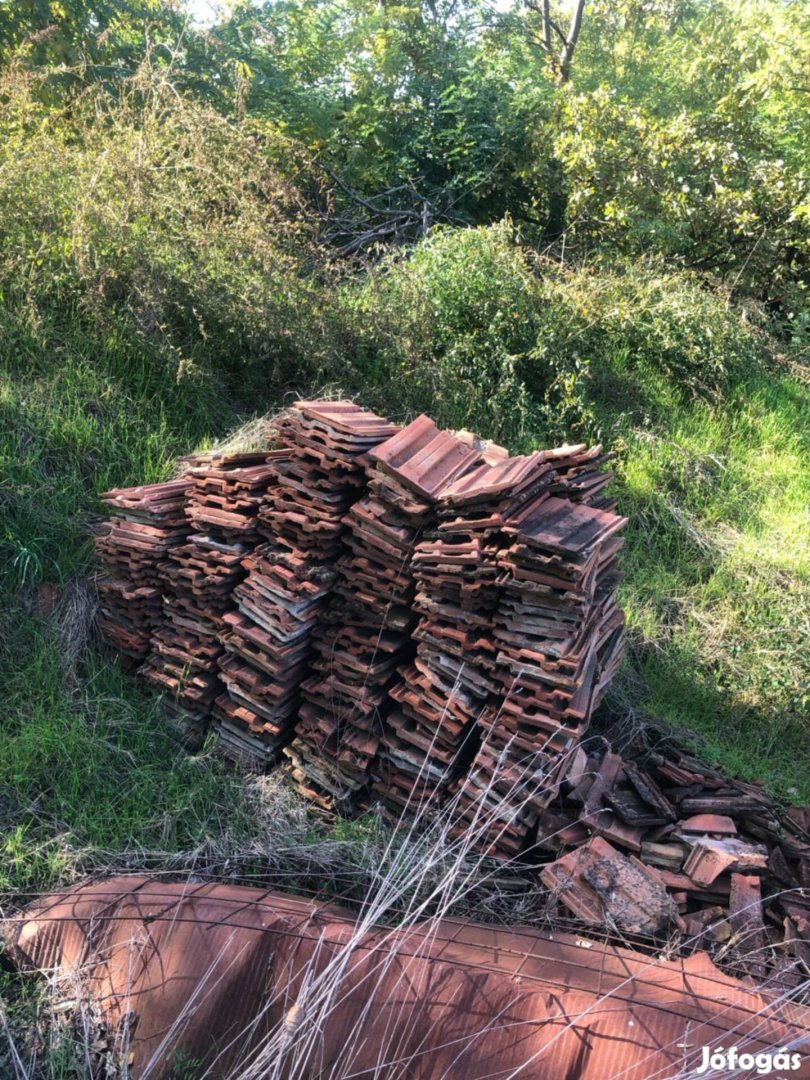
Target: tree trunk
x: 567, y: 54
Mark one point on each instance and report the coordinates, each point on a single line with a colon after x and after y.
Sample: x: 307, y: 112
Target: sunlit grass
x: 718, y: 584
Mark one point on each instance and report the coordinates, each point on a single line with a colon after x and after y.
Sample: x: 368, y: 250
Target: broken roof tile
x: 597, y: 882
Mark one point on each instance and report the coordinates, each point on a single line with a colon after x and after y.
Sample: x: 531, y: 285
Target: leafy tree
x: 426, y: 95
x: 71, y: 32
x: 672, y: 141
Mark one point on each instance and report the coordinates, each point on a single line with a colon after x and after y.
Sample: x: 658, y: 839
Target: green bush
x: 164, y: 228
x: 684, y: 134
x: 157, y: 278
x: 637, y: 334
x: 479, y: 331
x: 444, y: 329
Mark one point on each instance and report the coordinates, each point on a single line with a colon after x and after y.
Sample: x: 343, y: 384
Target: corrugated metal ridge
x: 520, y: 942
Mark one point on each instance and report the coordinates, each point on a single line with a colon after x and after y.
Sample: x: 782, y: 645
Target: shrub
x: 479, y: 331
x: 448, y: 325
x: 158, y: 274
x: 640, y: 334
x: 704, y: 191
x: 160, y: 225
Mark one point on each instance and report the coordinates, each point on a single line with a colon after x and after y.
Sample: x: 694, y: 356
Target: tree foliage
x: 105, y: 35
x: 675, y: 128
x: 687, y: 136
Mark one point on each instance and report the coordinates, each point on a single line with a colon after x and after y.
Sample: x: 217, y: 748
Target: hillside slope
x: 150, y: 305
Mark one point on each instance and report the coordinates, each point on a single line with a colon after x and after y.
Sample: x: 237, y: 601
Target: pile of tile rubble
x: 412, y: 618
x: 677, y: 848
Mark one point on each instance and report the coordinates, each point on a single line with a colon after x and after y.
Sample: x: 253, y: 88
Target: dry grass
x: 74, y: 623
x: 397, y: 879
x: 54, y: 1029
x: 253, y: 435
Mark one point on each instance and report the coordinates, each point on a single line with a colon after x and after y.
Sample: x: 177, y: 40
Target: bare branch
x: 543, y: 9
x: 556, y: 28
x: 398, y: 215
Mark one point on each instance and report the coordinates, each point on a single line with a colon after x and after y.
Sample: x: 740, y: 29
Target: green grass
x: 718, y: 575
x: 76, y: 419
x: 85, y: 765
x: 94, y: 771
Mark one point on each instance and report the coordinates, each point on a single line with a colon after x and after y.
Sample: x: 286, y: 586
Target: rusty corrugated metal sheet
x: 197, y: 965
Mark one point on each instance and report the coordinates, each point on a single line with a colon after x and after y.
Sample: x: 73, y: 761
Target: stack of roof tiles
x: 422, y: 603
x: 312, y: 483
x: 430, y: 735
x: 581, y: 477
x: 451, y: 690
x: 559, y: 637
x: 147, y: 523
x: 416, y: 615
x: 492, y: 638
x: 371, y: 615
x: 224, y: 493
